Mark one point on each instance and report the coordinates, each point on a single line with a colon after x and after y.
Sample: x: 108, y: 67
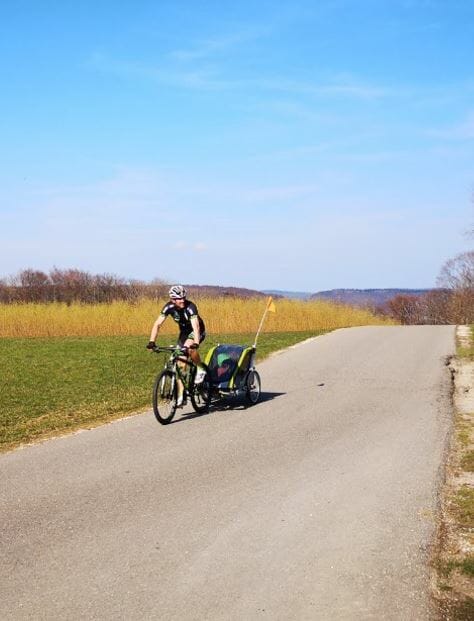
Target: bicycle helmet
x: 177, y: 292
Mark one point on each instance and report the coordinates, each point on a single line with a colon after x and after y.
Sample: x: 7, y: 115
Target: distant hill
x: 364, y: 297
x: 352, y: 297
x: 211, y: 291
x: 277, y: 293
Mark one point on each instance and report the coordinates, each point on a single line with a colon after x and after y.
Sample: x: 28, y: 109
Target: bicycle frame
x: 183, y: 375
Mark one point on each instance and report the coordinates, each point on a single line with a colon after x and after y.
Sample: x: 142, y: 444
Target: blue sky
x: 296, y: 145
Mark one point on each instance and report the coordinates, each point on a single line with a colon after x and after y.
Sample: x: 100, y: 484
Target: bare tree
x: 470, y: 231
x: 33, y: 278
x: 437, y: 306
x: 457, y: 275
x: 33, y: 284
x: 405, y: 308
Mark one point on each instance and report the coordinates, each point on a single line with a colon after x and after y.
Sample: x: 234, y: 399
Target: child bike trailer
x: 232, y: 371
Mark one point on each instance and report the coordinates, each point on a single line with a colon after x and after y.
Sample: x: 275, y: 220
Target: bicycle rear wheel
x: 164, y: 397
x: 201, y: 395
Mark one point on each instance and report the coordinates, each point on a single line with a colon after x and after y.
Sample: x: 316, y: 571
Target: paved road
x: 315, y: 504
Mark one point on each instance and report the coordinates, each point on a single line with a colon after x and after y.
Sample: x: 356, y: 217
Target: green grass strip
x: 467, y: 461
x: 465, y: 565
x: 467, y: 352
x: 464, y: 506
x: 51, y: 385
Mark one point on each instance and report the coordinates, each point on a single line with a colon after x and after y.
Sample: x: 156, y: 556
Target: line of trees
x: 73, y: 285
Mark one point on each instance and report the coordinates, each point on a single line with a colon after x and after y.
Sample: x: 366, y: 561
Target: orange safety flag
x: 271, y: 306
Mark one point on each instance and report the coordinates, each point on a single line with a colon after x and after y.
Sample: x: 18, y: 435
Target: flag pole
x: 269, y: 301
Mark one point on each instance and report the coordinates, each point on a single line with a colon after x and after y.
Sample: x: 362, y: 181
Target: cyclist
x: 192, y: 330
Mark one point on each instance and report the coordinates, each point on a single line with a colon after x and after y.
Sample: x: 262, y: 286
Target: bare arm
x: 196, y: 328
x: 156, y: 327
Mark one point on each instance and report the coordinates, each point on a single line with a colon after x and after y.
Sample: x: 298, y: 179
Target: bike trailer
x: 229, y: 365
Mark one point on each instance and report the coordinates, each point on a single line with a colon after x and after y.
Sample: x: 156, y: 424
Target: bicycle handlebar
x: 173, y: 348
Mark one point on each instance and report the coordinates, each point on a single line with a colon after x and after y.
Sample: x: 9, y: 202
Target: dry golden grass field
x: 220, y: 315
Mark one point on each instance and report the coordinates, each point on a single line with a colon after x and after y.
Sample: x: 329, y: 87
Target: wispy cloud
x: 423, y: 4
x: 344, y: 86
x: 195, y: 247
x: 214, y: 47
x: 271, y: 194
x: 204, y: 77
x: 464, y: 130
x: 213, y: 77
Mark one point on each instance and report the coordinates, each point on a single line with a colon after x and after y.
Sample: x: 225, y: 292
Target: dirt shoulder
x: 453, y: 563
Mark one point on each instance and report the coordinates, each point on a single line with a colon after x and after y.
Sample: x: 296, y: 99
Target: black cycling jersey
x: 182, y: 316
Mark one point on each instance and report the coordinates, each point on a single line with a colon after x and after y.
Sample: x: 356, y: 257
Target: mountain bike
x: 165, y: 389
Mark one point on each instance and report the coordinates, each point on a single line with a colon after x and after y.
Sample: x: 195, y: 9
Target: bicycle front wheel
x: 201, y: 395
x: 165, y: 397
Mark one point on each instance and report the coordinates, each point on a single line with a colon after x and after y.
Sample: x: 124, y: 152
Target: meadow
x: 222, y: 315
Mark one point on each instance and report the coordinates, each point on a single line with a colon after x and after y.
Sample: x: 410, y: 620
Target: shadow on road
x: 228, y: 404
x: 269, y: 396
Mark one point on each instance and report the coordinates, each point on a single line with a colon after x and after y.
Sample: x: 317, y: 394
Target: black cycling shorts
x: 184, y: 336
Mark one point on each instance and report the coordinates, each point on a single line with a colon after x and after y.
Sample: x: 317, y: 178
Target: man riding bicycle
x: 192, y: 330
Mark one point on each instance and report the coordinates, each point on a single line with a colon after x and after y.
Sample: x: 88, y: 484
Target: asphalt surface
x: 317, y: 503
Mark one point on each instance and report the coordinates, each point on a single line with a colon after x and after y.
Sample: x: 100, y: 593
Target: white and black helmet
x: 177, y: 292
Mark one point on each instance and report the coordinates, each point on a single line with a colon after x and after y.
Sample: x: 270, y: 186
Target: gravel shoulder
x: 453, y: 562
